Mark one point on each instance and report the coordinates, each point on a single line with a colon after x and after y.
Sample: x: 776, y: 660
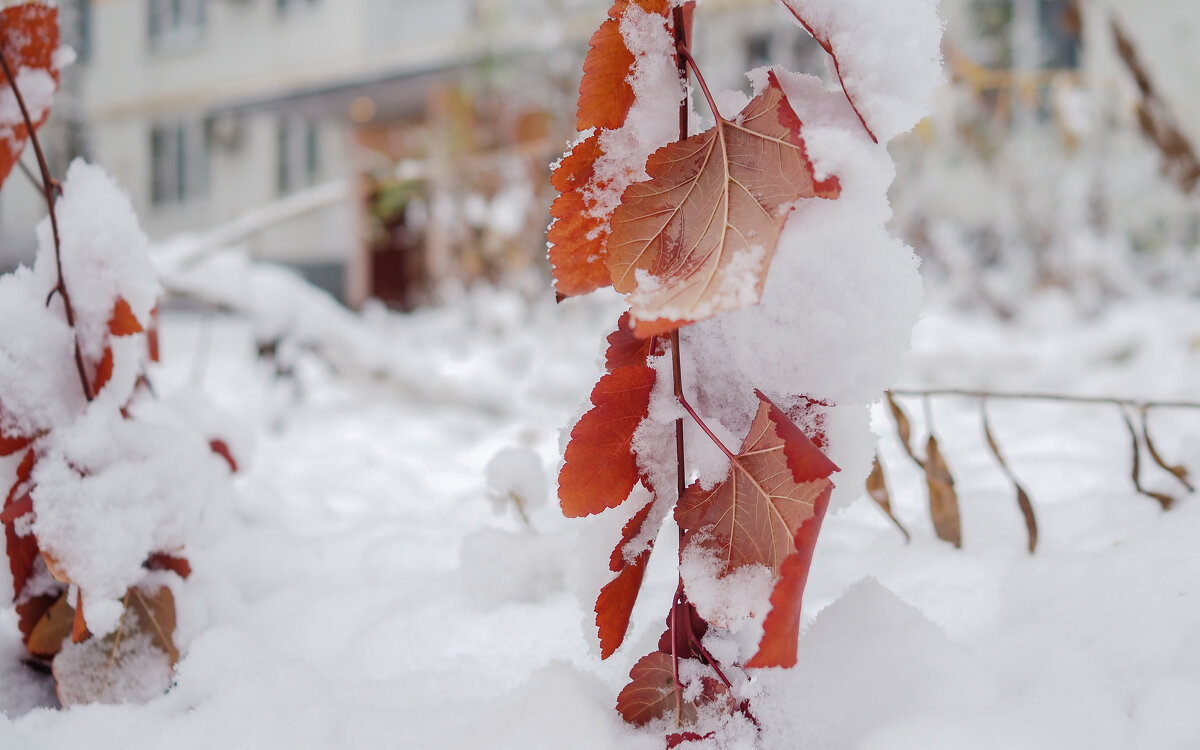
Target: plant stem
x: 681, y: 43
x: 49, y: 187
x: 928, y: 392
x: 686, y: 59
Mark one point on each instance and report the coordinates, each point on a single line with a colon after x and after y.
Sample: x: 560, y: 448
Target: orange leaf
x: 31, y: 611
x: 22, y: 550
x: 705, y: 225
x: 781, y: 628
x: 577, y: 238
x: 615, y: 603
x: 777, y: 481
x: 650, y: 693
x: 52, y: 628
x: 29, y: 38
x: 624, y: 348
x: 10, y: 445
x: 123, y: 322
x: 152, y: 335
x: 79, y: 631
x: 605, y: 94
x: 601, y: 468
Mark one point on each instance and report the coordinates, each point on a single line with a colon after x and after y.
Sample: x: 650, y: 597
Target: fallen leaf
x: 777, y: 481
x: 697, y: 238
x: 600, y: 468
x: 651, y: 693
x: 29, y: 38
x: 943, y: 501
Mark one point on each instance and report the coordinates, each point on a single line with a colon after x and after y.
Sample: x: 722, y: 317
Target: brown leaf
x: 1166, y: 501
x: 777, y: 481
x: 705, y: 225
x: 651, y: 693
x: 79, y: 631
x: 163, y: 561
x: 156, y: 615
x: 1022, y: 496
x: 600, y: 468
x: 903, y: 428
x: 943, y: 502
x: 1175, y: 470
x: 52, y: 629
x: 878, y: 490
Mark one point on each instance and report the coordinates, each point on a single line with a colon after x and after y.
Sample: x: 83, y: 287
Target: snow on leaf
x: 605, y: 92
x: 22, y: 550
x: 696, y: 239
x: 651, y: 692
x: 162, y: 561
x: 601, y: 468
x: 29, y: 38
x: 615, y: 603
x: 577, y: 238
x: 777, y: 481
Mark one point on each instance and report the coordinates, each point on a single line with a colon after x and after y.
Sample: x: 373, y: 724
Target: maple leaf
x: 615, y: 603
x: 777, y: 481
x: 29, y: 38
x: 22, y: 550
x: 703, y: 228
x: 651, y: 692
x: 600, y: 468
x: 605, y: 93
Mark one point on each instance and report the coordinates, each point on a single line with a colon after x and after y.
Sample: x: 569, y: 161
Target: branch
x: 49, y: 187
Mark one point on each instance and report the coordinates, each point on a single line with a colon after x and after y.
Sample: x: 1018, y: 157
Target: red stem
x: 49, y: 186
x: 686, y: 58
x: 825, y: 45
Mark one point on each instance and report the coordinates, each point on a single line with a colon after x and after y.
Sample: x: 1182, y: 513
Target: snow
x: 359, y: 589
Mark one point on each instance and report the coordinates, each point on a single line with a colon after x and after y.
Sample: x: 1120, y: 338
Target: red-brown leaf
x: 705, y: 225
x: 152, y: 335
x: 51, y: 629
x: 104, y: 370
x: 221, y: 448
x: 22, y: 550
x: 123, y: 322
x: 601, y: 468
x: 781, y: 628
x: 615, y: 603
x: 31, y: 611
x: 162, y: 561
x: 625, y: 349
x: 577, y: 238
x: 29, y: 37
x: 650, y: 693
x: 605, y: 94
x: 777, y: 481
x: 10, y: 445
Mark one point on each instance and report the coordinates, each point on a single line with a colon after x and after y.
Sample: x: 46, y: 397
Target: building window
x: 298, y: 154
x: 283, y: 6
x: 178, y: 163
x: 174, y: 20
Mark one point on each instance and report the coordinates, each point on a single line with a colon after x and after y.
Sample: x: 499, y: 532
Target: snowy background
x: 357, y: 588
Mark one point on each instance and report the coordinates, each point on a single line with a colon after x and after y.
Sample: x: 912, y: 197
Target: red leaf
x: 29, y: 38
x: 650, y: 693
x: 615, y: 603
x: 687, y: 619
x: 675, y: 740
x: 22, y: 550
x: 777, y: 482
x: 152, y: 335
x: 781, y: 629
x: 601, y: 468
x: 828, y: 47
x: 123, y: 322
x: 219, y: 447
x: 10, y: 445
x: 577, y: 238
x: 624, y: 348
x: 162, y: 561
x: 104, y: 370
x: 705, y: 225
x: 605, y: 94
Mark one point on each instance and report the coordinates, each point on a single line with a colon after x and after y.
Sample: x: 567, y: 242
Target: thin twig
x: 49, y: 187
x: 1064, y: 398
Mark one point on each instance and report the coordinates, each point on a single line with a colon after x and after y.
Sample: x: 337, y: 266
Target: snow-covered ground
x: 356, y: 587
